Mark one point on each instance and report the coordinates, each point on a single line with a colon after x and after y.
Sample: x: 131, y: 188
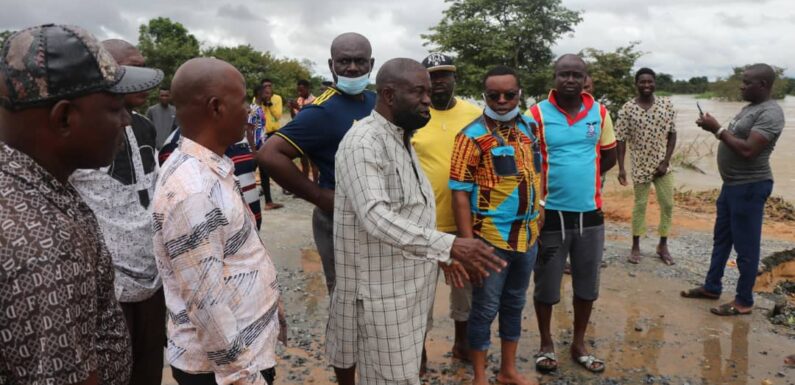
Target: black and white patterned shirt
x: 120, y: 196
x: 59, y: 318
x: 218, y: 279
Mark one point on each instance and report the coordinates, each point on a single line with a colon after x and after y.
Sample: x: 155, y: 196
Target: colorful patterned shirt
x: 504, y: 208
x: 646, y: 132
x: 219, y: 281
x: 59, y: 318
x: 256, y: 117
x: 571, y: 149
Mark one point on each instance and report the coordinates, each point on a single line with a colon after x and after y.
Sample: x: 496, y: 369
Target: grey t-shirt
x: 163, y: 119
x: 765, y: 118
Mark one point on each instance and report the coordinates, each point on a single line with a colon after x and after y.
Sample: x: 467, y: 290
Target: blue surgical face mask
x: 501, y: 117
x: 353, y: 86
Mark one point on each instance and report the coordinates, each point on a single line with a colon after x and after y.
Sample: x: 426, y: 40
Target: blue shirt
x: 318, y: 129
x: 571, y: 151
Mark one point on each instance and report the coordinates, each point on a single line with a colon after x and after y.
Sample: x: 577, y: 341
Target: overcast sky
x: 682, y: 37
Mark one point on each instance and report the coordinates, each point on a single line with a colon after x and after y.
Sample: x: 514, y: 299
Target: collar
x: 395, y: 130
x: 587, y: 103
x: 221, y: 165
x: 24, y: 168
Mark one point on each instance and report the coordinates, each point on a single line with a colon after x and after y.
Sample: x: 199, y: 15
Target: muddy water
x: 688, y: 133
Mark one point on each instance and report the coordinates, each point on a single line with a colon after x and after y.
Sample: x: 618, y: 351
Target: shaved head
x: 350, y: 41
x: 397, y: 71
x: 762, y: 72
x: 210, y: 96
x: 570, y: 58
x: 120, y: 49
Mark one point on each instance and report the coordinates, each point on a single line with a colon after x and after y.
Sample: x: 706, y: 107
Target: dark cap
x: 51, y: 62
x: 438, y: 62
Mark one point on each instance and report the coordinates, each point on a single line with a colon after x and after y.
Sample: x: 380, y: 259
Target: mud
x: 642, y: 328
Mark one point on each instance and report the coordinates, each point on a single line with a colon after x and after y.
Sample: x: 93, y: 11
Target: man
x: 305, y: 98
x: 220, y: 283
x: 163, y: 116
x: 386, y: 245
x: 648, y: 124
x: 60, y: 323
x: 588, y: 85
x: 317, y: 132
x: 495, y: 177
x: 272, y: 106
x: 744, y: 165
x: 258, y: 116
x: 577, y: 145
x: 434, y: 145
x: 120, y: 196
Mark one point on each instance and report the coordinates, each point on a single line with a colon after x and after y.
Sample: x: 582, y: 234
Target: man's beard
x: 410, y: 121
x: 441, y: 101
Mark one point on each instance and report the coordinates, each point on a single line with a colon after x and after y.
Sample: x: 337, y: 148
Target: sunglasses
x: 495, y: 96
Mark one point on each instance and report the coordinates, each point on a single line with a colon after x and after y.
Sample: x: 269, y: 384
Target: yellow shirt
x: 272, y: 114
x: 434, y: 146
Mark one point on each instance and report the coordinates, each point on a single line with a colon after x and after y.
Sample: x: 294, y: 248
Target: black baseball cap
x: 438, y: 62
x: 50, y: 62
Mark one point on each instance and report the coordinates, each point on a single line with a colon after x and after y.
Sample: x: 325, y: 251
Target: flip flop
x: 699, y: 292
x: 790, y: 360
x: 587, y: 362
x: 727, y: 309
x: 549, y: 357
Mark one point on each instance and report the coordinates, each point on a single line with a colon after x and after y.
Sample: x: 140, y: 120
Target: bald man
x: 744, y: 164
x: 219, y: 281
x: 120, y: 196
x: 577, y: 145
x: 386, y: 243
x: 60, y: 321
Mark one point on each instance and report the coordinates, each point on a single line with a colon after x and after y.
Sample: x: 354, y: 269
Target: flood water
x: 701, y: 146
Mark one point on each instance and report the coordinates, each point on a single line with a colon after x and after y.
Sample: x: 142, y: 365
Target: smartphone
x: 700, y: 112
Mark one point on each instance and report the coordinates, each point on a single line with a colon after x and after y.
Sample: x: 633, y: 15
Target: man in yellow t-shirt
x: 434, y: 146
x: 271, y: 105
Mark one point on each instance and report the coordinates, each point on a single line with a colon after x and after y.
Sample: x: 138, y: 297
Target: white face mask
x: 352, y: 86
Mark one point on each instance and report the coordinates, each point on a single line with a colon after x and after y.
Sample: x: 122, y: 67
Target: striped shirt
x: 219, y: 281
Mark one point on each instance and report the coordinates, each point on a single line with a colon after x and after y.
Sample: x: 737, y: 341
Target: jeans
x: 504, y: 292
x: 739, y: 224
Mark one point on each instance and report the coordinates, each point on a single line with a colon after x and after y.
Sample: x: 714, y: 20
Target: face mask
x: 353, y: 86
x: 501, y: 118
x: 410, y: 121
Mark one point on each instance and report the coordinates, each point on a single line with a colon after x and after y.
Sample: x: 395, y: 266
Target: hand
x: 661, y: 170
x: 324, y: 200
x: 477, y: 257
x: 622, y: 177
x: 282, y: 323
x: 708, y: 123
x: 454, y: 274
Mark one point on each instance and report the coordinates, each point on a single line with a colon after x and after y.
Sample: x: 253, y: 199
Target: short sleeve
x: 307, y: 132
x: 623, y: 130
x: 464, y: 163
x: 608, y: 138
x: 769, y: 123
x: 670, y: 114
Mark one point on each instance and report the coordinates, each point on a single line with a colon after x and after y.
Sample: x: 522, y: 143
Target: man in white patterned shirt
x: 219, y: 281
x: 385, y: 240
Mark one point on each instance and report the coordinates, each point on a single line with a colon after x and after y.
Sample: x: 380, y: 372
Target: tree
x: 4, y: 35
x: 166, y: 45
x: 516, y: 33
x: 613, y: 78
x: 729, y: 88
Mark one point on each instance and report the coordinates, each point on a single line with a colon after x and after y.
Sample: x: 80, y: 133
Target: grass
x: 688, y: 154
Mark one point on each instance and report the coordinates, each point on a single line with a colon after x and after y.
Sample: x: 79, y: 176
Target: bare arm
x: 621, y: 149
x: 276, y: 156
x: 608, y: 159
x: 748, y: 148
x: 462, y: 211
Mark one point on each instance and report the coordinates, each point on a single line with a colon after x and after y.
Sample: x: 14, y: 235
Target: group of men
x: 412, y: 180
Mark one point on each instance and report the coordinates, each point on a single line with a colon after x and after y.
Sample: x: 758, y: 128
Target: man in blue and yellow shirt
x: 577, y: 145
x: 495, y: 182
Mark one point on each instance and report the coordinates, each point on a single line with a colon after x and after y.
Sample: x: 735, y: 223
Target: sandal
x: 699, y: 292
x: 550, y: 358
x: 727, y: 309
x: 588, y: 361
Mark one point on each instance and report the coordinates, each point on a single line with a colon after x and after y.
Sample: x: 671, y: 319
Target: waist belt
x: 555, y: 220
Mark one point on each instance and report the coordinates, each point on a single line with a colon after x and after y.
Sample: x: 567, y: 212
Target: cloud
x: 681, y: 37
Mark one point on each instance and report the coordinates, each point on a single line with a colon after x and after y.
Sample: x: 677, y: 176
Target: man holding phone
x: 744, y: 165
x: 648, y: 124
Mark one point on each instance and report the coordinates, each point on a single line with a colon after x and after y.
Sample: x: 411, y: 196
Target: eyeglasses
x: 495, y: 96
